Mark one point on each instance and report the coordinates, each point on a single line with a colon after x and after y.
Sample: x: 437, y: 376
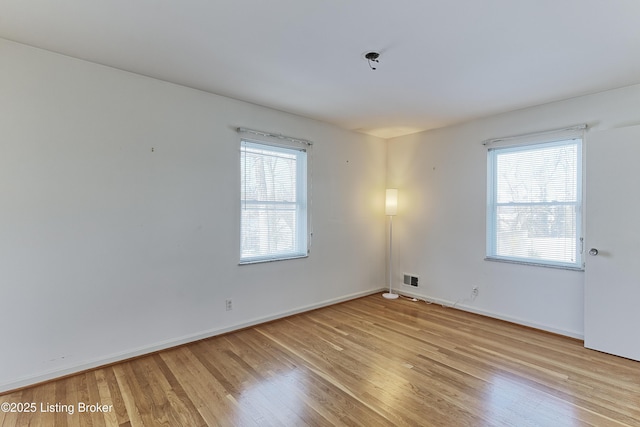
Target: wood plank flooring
x: 368, y: 362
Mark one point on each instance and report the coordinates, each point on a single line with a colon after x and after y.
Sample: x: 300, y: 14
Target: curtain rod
x: 544, y: 132
x: 274, y: 135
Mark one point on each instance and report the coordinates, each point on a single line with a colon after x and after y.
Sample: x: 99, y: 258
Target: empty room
x: 319, y: 213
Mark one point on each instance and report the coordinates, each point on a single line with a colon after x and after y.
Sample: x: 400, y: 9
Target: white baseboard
x: 118, y: 357
x: 500, y: 316
x: 163, y: 345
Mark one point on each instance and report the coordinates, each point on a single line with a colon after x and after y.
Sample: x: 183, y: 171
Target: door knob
x: 593, y: 252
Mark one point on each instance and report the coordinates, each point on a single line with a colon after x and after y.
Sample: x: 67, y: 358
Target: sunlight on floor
x: 279, y: 397
x: 516, y: 403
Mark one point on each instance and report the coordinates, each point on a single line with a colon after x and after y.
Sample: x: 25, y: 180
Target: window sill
x: 261, y: 261
x: 534, y: 264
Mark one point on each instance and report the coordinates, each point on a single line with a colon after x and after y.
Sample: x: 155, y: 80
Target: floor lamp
x: 391, y: 209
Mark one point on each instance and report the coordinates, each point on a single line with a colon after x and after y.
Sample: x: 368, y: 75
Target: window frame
x: 530, y: 144
x: 302, y: 203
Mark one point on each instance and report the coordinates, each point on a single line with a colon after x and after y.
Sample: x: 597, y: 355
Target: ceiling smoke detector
x: 372, y: 57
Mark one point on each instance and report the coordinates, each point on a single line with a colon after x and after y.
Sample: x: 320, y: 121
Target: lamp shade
x: 391, y: 202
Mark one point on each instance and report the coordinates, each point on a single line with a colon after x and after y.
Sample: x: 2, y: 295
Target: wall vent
x: 410, y: 280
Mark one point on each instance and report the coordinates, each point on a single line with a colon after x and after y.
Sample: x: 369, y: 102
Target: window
x: 534, y: 207
x: 273, y: 220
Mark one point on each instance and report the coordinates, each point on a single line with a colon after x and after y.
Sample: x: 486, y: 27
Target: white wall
x: 439, y: 233
x: 109, y: 249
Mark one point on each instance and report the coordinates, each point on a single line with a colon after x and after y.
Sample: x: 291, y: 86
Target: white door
x: 612, y: 269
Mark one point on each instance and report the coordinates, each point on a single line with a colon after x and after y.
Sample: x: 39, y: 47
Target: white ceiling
x: 442, y: 61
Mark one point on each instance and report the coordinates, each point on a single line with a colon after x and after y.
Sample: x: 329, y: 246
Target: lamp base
x: 389, y: 295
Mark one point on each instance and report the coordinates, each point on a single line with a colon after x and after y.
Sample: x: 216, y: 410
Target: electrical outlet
x: 229, y: 304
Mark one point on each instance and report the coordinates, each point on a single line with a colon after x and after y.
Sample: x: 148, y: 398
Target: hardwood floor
x: 369, y: 362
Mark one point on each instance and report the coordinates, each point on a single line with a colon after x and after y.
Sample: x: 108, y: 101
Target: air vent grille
x: 410, y: 280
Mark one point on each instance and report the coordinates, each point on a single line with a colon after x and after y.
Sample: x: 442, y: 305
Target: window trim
x: 302, y: 172
x: 525, y: 143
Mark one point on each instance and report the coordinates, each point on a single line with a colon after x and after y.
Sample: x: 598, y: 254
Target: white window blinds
x: 273, y: 219
x: 534, y: 207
